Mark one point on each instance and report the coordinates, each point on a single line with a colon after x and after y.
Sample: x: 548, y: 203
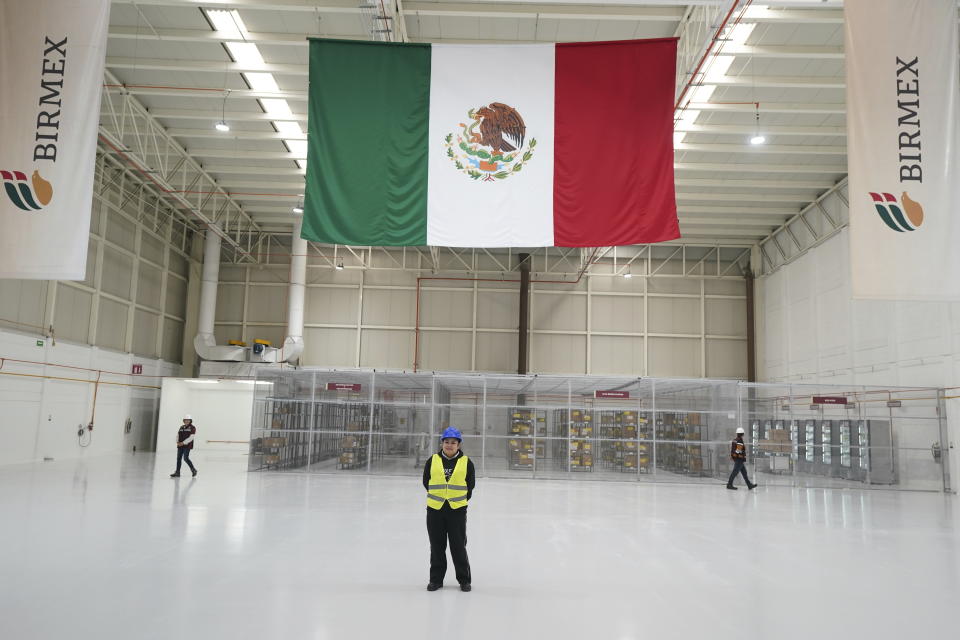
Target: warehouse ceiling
x: 776, y: 70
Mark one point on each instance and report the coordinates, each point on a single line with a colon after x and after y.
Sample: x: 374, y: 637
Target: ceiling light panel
x: 276, y: 107
x: 288, y: 128
x: 246, y: 54
x: 261, y: 81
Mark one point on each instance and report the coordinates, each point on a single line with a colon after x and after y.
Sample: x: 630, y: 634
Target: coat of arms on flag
x: 496, y: 151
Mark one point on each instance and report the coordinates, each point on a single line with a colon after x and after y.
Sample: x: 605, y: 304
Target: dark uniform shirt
x: 448, y: 465
x: 186, y: 434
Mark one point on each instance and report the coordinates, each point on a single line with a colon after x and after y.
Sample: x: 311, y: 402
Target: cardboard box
x: 780, y: 435
x: 775, y: 446
x: 348, y: 442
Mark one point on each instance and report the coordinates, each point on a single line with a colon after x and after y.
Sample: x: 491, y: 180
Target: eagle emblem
x: 498, y: 150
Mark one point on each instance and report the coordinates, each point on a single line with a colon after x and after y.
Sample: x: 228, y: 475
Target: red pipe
x: 416, y: 347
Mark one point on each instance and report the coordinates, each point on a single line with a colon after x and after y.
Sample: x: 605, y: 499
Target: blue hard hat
x: 451, y: 432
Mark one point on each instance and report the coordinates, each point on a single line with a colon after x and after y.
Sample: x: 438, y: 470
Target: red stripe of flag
x: 613, y: 167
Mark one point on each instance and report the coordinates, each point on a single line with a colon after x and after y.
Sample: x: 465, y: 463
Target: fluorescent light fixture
x: 297, y: 147
x: 678, y: 137
x: 222, y: 126
x: 262, y: 81
x: 203, y: 381
x: 718, y: 68
x: 276, y: 107
x: 263, y: 382
x: 246, y: 54
x: 757, y: 139
x: 226, y: 22
x: 702, y: 93
x: 627, y: 274
x: 287, y: 128
x: 298, y: 208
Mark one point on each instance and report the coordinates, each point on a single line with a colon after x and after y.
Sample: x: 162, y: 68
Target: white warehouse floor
x: 111, y: 547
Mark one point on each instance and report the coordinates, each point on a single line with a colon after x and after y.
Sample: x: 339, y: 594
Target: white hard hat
x: 739, y: 429
x: 187, y: 417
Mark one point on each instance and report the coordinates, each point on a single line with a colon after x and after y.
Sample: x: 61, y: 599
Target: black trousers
x: 739, y: 466
x: 442, y: 525
x: 183, y: 454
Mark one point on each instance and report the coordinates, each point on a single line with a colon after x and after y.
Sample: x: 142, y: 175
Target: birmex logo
x: 31, y: 196
x: 906, y: 215
x: 36, y: 193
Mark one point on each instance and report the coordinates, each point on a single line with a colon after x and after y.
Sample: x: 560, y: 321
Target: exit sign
x: 39, y: 343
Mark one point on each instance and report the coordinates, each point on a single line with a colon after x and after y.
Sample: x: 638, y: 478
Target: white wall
x: 220, y: 410
x: 810, y: 329
x: 42, y: 405
x: 675, y: 317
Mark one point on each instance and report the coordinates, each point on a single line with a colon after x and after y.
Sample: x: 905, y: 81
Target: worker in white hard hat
x: 738, y: 453
x: 185, y: 437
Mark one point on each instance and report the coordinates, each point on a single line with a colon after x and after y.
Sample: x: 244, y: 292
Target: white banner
x: 51, y: 71
x: 902, y: 137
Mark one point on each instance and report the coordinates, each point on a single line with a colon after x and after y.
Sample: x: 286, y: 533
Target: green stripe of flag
x: 367, y: 144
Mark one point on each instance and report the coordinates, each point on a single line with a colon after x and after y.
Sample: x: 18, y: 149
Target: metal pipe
x: 524, y: 324
x: 751, y: 330
x: 208, y: 282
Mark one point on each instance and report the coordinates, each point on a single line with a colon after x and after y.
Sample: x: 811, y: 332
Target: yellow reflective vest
x: 441, y: 490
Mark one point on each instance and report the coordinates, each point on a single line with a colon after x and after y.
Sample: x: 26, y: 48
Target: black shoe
x: 433, y: 586
x: 730, y: 486
x: 194, y: 472
x: 752, y: 486
x: 174, y: 475
x: 465, y: 587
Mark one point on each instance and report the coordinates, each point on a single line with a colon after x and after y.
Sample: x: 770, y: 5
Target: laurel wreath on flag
x: 477, y: 151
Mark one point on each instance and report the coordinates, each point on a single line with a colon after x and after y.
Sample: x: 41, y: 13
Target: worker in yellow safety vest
x: 449, y: 478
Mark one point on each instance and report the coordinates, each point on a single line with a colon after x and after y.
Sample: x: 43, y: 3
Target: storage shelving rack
x: 624, y: 441
x: 573, y: 448
x: 286, y: 441
x: 686, y: 454
x: 524, y: 443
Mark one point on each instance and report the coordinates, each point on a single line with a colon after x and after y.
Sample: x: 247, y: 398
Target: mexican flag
x: 527, y: 145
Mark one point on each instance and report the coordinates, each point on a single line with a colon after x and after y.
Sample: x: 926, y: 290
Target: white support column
x: 205, y: 342
x: 293, y: 344
x: 208, y: 284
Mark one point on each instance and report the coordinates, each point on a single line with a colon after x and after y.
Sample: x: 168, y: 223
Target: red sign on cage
x: 829, y: 400
x: 611, y: 394
x: 343, y: 386
x: 137, y: 369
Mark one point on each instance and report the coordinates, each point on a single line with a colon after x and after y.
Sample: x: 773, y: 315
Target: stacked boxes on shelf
x: 778, y: 441
x: 574, y: 447
x: 636, y: 455
x: 355, y: 443
x: 624, y: 444
x: 523, y: 446
x: 610, y: 432
x: 684, y: 451
x: 286, y: 441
